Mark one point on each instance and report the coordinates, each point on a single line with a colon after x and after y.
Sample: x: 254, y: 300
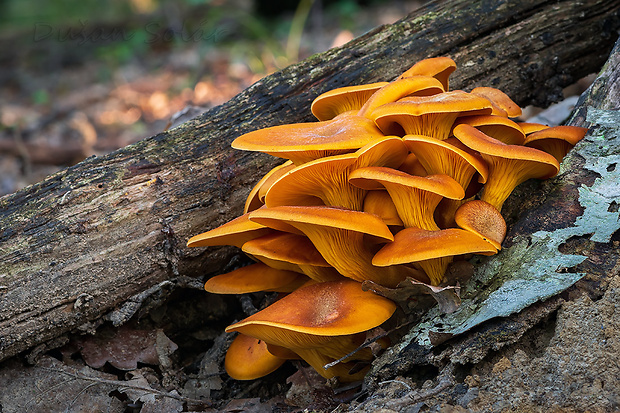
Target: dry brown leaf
x: 447, y: 297
x: 123, y: 348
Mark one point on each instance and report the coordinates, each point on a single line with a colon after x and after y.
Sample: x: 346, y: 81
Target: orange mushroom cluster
x: 395, y: 180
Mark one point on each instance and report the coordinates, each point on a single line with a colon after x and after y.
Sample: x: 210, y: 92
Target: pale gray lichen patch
x: 533, y: 268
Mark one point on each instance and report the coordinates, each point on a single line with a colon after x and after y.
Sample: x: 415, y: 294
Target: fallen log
x: 84, y: 241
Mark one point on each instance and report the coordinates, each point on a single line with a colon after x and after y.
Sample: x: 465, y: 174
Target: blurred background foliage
x: 85, y: 77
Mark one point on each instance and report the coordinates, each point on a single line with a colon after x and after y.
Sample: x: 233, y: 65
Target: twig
x: 446, y: 380
x: 123, y: 385
x: 365, y: 344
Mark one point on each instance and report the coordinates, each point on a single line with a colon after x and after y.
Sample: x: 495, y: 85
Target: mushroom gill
x: 428, y: 115
x: 325, y: 181
x: 339, y: 235
x: 415, y: 197
x: 509, y: 165
x: 332, y: 103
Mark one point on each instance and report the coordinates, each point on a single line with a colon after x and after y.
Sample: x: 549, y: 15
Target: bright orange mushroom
x: 254, y: 278
x: 438, y: 67
x: 498, y: 127
x: 393, y: 91
x: 509, y: 165
x: 452, y: 158
x: 431, y: 250
x: 235, y: 232
x: 482, y: 219
x: 428, y: 115
x: 340, y: 235
x: 321, y: 323
x: 557, y: 140
x: 325, y: 181
x: 415, y: 197
x: 248, y: 358
x: 344, y: 99
x: 256, y: 198
x: 292, y: 252
x: 303, y: 142
x: 502, y: 104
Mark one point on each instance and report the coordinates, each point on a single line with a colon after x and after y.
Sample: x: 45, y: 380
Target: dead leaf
x: 123, y: 348
x: 447, y: 297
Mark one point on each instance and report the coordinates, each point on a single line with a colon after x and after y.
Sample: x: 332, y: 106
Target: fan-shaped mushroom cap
x: 432, y: 250
x: 452, y: 158
x: 319, y: 322
x: 325, y: 181
x: 344, y: 99
x: 530, y: 127
x: 303, y: 142
x: 254, y: 278
x: 443, y: 157
x: 497, y: 127
x: 286, y: 251
x: 256, y: 197
x: 339, y: 235
x: 438, y: 67
x: 502, y: 104
x: 509, y: 165
x: 428, y: 115
x: 235, y: 232
x: 482, y: 219
x: 379, y: 203
x: 247, y: 358
x: 415, y: 197
x: 411, y: 86
x: 556, y: 141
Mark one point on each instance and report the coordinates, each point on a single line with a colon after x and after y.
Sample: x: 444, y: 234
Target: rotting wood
x: 114, y: 226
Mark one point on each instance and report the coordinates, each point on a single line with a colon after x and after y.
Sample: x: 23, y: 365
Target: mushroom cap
x: 438, y: 67
x: 303, y: 142
x: 334, y: 102
x: 431, y: 250
x: 345, y: 238
x: 327, y: 309
x: 439, y: 184
x: 256, y: 197
x: 509, y: 165
x: 321, y: 323
x: 288, y: 218
x: 498, y: 127
x: 411, y: 86
x: 235, y: 232
x: 254, y: 278
x: 531, y: 127
x: 442, y: 157
x: 325, y: 181
x: 428, y: 245
x: 482, y: 219
x: 557, y: 140
x: 415, y: 197
x: 286, y: 251
x: 283, y: 246
x: 428, y: 115
x: 502, y: 104
x: 248, y: 358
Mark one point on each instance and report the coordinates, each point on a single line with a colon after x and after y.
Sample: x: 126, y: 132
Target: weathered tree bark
x: 86, y: 240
